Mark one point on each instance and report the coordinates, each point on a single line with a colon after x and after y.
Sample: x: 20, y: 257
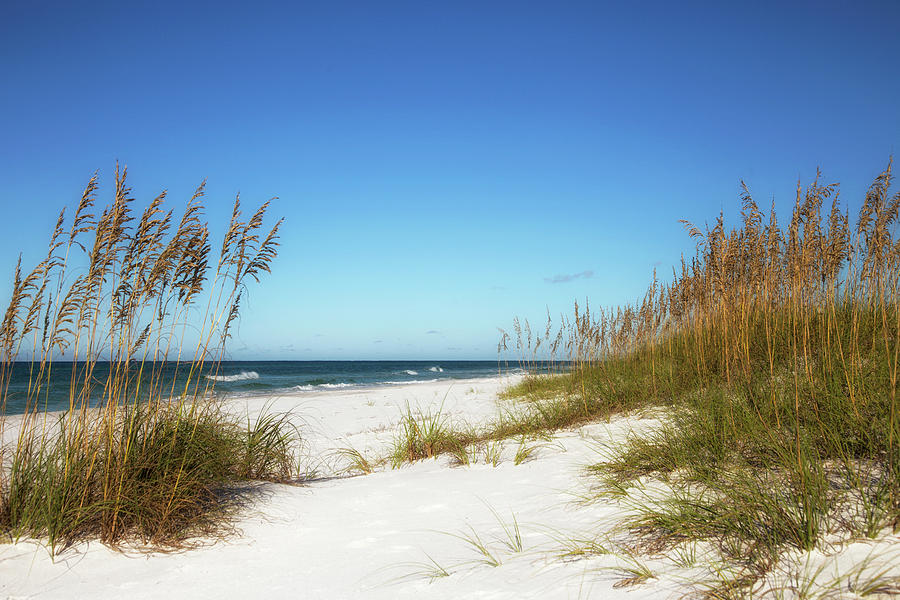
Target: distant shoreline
x: 255, y: 378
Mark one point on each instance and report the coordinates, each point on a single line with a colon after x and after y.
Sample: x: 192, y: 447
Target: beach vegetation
x: 525, y: 451
x: 428, y: 569
x: 427, y: 434
x: 511, y: 537
x: 486, y: 555
x: 353, y: 460
x: 493, y: 452
x: 134, y: 309
x: 774, y: 351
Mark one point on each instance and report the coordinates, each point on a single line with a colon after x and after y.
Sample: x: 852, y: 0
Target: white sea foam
x: 242, y: 376
x: 323, y: 386
x: 411, y: 372
x: 436, y: 370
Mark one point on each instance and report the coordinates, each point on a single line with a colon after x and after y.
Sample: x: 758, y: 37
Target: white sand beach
x: 385, y: 535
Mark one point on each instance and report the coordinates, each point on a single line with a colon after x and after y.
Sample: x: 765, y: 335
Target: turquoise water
x: 261, y: 377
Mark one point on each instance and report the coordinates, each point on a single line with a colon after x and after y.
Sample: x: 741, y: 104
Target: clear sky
x: 442, y: 167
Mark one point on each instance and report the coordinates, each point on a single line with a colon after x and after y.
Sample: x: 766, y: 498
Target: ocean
x: 264, y: 377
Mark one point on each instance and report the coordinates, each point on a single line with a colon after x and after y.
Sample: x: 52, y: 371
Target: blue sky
x: 442, y: 167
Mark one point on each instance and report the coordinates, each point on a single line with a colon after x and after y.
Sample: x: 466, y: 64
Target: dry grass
x: 142, y: 453
x: 777, y: 348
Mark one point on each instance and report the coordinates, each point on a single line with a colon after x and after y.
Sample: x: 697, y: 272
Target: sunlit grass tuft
x: 143, y: 453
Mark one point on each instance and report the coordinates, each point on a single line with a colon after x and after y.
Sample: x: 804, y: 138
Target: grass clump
x: 353, y: 460
x: 525, y: 451
x: 162, y: 477
x: 776, y: 348
x: 427, y: 435
x: 143, y: 452
x: 512, y: 536
x: 486, y: 555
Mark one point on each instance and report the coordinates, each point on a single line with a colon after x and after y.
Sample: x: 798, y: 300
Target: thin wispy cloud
x: 432, y: 332
x: 565, y: 278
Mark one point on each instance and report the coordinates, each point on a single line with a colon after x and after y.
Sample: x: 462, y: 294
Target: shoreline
x: 270, y: 378
x: 364, y: 418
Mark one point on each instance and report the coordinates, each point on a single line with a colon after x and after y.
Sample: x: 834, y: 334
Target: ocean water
x: 259, y: 377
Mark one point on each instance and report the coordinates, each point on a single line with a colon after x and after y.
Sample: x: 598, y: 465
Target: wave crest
x: 242, y: 376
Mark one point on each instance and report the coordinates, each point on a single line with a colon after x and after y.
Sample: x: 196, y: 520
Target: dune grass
x: 776, y: 350
x: 424, y: 435
x: 773, y: 353
x: 350, y: 460
x: 128, y: 307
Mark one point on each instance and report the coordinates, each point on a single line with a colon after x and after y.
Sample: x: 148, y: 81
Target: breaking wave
x: 242, y: 376
x: 323, y: 386
x: 436, y: 370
